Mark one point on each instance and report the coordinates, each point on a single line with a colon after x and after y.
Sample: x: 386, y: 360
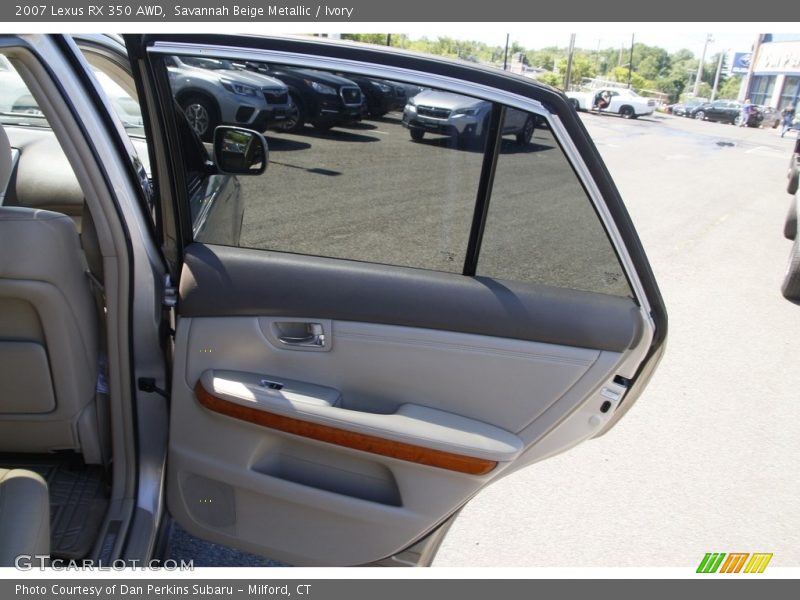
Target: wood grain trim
x: 342, y: 437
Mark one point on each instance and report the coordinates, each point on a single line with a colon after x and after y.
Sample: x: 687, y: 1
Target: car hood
x: 249, y: 78
x: 447, y: 100
x: 322, y: 77
x: 256, y: 80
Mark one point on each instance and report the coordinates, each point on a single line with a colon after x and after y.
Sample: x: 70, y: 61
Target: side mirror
x: 240, y: 151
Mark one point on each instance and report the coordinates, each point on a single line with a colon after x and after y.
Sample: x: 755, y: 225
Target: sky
x: 729, y: 37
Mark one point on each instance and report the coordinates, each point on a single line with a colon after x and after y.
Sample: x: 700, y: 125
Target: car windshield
x: 17, y: 106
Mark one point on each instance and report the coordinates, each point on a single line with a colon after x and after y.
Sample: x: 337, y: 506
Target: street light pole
x: 716, y: 77
x: 630, y: 63
x: 568, y: 75
x: 699, y: 77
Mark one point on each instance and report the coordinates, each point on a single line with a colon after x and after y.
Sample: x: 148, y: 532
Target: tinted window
x: 386, y: 172
x: 541, y: 226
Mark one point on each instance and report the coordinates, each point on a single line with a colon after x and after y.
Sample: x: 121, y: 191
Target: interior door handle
x: 314, y: 339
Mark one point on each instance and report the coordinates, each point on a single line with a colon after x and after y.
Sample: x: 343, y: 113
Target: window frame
x: 416, y: 69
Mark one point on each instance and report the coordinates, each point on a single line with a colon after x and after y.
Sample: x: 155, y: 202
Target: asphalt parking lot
x: 707, y: 459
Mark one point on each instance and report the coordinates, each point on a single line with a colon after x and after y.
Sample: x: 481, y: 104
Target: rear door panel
x: 359, y: 506
x: 328, y: 410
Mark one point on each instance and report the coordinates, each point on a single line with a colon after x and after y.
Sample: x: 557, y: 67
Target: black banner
x: 360, y: 11
x: 395, y: 589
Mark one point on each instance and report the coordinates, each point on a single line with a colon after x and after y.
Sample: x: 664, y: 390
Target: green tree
x: 545, y: 58
x: 730, y: 89
x: 582, y: 68
x: 551, y: 79
x: 367, y: 38
x: 638, y: 82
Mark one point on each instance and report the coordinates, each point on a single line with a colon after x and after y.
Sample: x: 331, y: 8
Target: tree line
x: 654, y: 69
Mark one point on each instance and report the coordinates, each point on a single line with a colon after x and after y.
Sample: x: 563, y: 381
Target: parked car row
x: 263, y: 96
x: 726, y: 111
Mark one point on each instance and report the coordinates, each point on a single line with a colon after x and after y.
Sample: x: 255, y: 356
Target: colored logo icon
x: 736, y: 562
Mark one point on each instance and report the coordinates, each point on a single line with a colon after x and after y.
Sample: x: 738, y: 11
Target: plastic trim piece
x: 348, y: 439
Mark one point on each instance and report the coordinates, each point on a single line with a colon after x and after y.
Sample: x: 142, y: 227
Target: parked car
x: 621, y: 101
x: 214, y: 91
x: 380, y: 96
x: 14, y: 94
x: 460, y: 117
x: 791, y: 278
x: 318, y: 97
x: 684, y: 109
x: 15, y: 97
x: 769, y: 116
x: 300, y: 404
x: 724, y: 111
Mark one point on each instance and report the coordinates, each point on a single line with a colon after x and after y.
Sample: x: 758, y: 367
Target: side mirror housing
x: 240, y: 151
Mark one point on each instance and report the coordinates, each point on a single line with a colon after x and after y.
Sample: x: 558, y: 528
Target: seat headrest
x: 6, y: 164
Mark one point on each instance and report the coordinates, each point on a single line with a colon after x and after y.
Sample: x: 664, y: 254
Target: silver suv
x: 214, y: 92
x: 460, y: 117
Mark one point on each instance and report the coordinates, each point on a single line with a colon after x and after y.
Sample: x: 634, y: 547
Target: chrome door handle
x: 314, y: 339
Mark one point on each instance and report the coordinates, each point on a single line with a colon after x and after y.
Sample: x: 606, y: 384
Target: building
x: 774, y: 77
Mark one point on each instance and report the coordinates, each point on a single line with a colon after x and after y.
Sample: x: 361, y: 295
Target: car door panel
x: 330, y: 411
x: 379, y: 371
x: 502, y: 396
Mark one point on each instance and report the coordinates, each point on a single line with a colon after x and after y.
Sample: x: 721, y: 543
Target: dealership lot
x: 707, y: 459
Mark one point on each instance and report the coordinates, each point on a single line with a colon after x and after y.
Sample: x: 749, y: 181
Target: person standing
x: 787, y: 119
x: 746, y: 108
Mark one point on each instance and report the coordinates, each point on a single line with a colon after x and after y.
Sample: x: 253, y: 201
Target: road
x: 707, y: 460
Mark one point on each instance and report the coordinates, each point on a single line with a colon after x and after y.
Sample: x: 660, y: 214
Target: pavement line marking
x: 763, y: 149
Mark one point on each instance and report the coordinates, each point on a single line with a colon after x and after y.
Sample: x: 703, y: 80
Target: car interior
x: 53, y: 397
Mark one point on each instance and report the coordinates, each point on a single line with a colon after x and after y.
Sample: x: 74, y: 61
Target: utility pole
x: 699, y: 77
x: 505, y: 57
x: 630, y: 63
x: 716, y: 77
x: 568, y: 75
